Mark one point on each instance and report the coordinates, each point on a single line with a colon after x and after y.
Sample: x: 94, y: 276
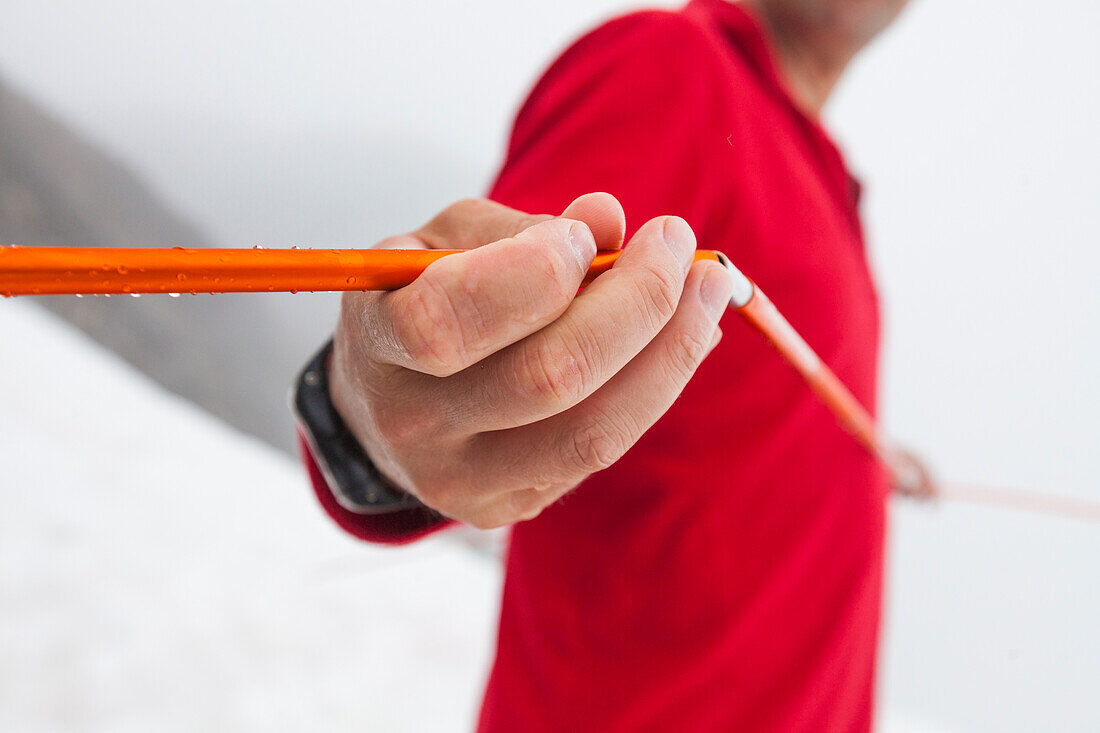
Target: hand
x: 488, y: 388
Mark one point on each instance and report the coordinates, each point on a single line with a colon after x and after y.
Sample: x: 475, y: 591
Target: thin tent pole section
x: 755, y: 306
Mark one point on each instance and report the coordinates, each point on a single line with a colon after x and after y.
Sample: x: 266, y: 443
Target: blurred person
x: 720, y: 567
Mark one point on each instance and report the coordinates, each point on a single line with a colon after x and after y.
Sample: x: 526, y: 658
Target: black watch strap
x: 355, y: 482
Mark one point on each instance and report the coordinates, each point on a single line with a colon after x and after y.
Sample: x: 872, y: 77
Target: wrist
x: 354, y: 480
x: 349, y: 407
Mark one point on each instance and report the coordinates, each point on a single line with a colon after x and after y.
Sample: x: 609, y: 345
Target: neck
x: 810, y: 62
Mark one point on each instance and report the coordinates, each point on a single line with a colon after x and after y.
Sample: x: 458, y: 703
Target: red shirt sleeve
x: 397, y: 528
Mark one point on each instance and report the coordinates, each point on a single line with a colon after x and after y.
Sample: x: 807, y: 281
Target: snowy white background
x: 139, y: 585
x: 183, y: 579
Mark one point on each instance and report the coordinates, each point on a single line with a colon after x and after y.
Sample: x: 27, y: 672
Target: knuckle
x: 526, y: 505
x: 459, y: 213
x: 530, y: 513
x: 453, y: 227
x: 466, y: 206
x: 658, y: 294
x: 429, y: 331
x: 686, y: 351
x: 594, y: 448
x: 515, y: 506
x: 550, y: 372
x: 552, y: 271
x: 526, y: 221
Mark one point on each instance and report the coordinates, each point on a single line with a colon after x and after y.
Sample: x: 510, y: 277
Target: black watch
x: 355, y: 482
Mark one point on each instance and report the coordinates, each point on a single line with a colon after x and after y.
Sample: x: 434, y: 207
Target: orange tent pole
x: 137, y: 271
x: 107, y: 271
x: 115, y: 270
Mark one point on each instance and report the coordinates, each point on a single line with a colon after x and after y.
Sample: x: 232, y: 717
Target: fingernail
x: 582, y: 242
x: 715, y: 291
x: 680, y: 238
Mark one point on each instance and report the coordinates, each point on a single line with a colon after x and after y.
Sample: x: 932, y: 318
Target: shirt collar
x: 744, y: 30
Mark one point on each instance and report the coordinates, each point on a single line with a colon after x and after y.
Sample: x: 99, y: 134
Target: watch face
x: 355, y: 482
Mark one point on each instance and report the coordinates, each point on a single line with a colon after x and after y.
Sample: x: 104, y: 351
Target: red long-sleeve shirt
x: 726, y: 573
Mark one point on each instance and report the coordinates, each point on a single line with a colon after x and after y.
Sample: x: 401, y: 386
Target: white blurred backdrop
x: 974, y: 127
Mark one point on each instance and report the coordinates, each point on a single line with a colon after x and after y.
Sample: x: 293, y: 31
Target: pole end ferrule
x: 743, y: 289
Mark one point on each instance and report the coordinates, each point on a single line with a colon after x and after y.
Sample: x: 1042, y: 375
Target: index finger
x: 466, y: 306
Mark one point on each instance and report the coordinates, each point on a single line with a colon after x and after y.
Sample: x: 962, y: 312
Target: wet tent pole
x: 140, y: 271
x: 144, y: 271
